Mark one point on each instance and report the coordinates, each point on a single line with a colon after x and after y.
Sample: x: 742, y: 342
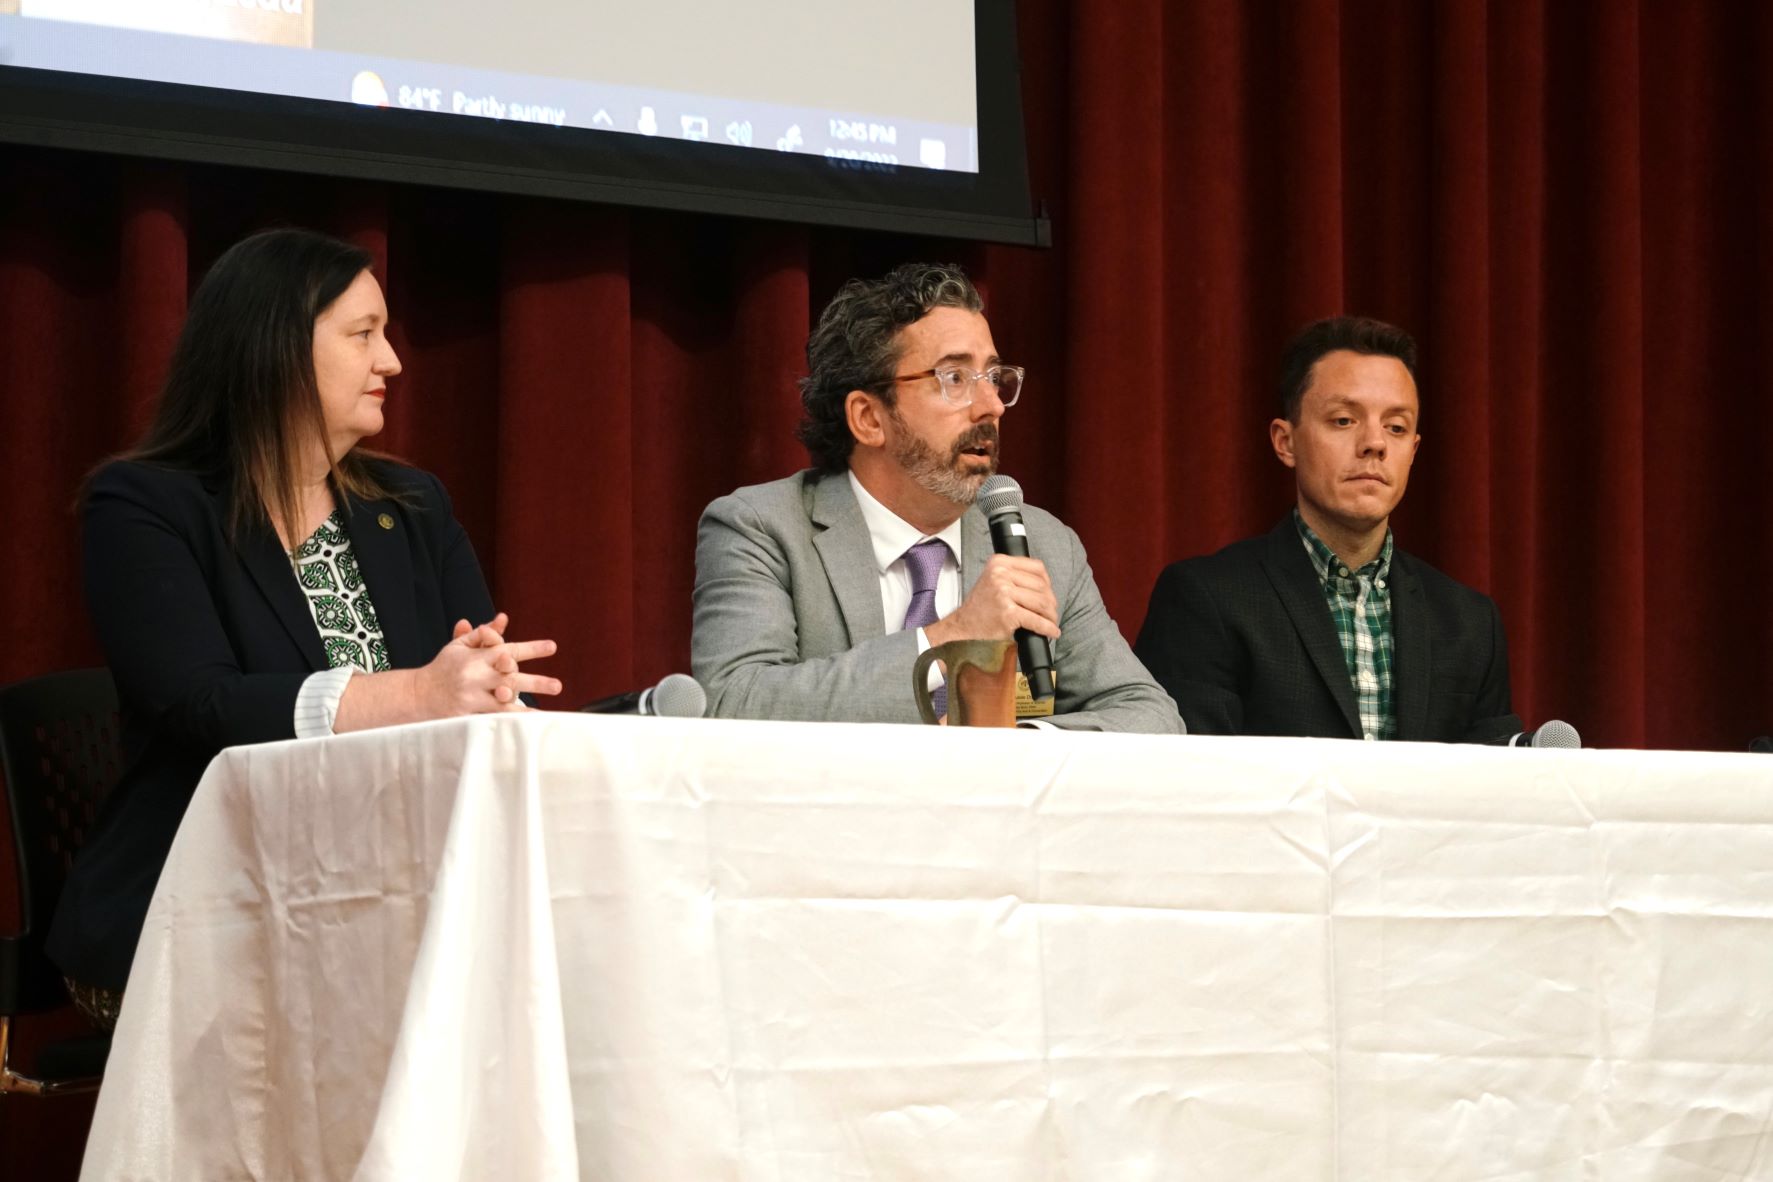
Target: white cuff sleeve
x: 934, y: 679
x: 317, y: 702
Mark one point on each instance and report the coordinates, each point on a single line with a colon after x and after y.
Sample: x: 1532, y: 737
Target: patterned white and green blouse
x: 338, y: 599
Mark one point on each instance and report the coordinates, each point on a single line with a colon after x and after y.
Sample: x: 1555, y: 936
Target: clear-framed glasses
x: 956, y: 382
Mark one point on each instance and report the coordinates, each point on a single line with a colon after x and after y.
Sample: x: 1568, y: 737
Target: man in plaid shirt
x: 1323, y: 627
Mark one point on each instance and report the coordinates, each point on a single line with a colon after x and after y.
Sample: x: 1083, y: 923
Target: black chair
x: 59, y: 754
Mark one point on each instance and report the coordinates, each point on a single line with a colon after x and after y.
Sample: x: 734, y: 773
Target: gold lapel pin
x: 386, y: 521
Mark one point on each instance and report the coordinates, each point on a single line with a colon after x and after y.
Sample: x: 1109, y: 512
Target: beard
x: 947, y: 477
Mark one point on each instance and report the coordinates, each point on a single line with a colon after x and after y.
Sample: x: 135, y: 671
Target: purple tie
x: 924, y: 562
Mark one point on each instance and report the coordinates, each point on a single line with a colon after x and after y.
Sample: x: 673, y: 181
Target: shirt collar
x: 1325, y: 562
x: 891, y: 534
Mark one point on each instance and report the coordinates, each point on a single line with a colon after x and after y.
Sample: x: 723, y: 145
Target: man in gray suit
x: 816, y: 593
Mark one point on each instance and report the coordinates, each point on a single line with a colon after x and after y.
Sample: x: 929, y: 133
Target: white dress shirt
x: 892, y: 535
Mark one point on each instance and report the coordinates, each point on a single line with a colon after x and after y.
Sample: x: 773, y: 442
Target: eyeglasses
x: 956, y: 382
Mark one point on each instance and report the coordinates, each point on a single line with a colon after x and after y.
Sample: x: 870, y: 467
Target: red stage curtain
x: 1567, y: 202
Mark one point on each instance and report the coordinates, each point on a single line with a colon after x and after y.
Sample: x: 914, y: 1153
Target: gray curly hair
x: 855, y: 347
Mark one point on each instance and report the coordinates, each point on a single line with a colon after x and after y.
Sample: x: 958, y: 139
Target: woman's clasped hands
x: 479, y: 671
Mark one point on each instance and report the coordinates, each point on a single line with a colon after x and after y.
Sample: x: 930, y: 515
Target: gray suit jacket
x: 788, y: 616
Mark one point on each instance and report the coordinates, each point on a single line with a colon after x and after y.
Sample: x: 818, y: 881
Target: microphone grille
x: 1558, y: 735
x: 679, y: 696
x: 999, y: 494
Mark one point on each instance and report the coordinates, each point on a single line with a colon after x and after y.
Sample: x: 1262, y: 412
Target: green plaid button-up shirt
x: 1360, y: 607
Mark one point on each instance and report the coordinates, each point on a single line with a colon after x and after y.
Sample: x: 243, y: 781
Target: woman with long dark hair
x: 253, y: 574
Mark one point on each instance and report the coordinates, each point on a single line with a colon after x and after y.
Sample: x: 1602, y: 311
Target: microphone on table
x: 1000, y: 498
x: 678, y: 696
x: 1556, y: 734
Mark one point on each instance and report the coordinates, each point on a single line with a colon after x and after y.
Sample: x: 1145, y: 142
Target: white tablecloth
x: 652, y: 950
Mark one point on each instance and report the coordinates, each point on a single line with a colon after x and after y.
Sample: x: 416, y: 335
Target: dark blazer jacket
x: 209, y: 645
x: 1243, y: 641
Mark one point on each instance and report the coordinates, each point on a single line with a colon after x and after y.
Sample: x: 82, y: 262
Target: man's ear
x: 866, y: 417
x: 1280, y: 434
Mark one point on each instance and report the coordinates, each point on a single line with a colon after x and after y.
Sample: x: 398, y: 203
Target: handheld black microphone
x: 1556, y: 734
x: 1001, y: 500
x: 678, y: 696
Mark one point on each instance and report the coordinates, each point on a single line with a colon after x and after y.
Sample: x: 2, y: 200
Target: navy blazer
x: 210, y: 644
x: 1244, y: 642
